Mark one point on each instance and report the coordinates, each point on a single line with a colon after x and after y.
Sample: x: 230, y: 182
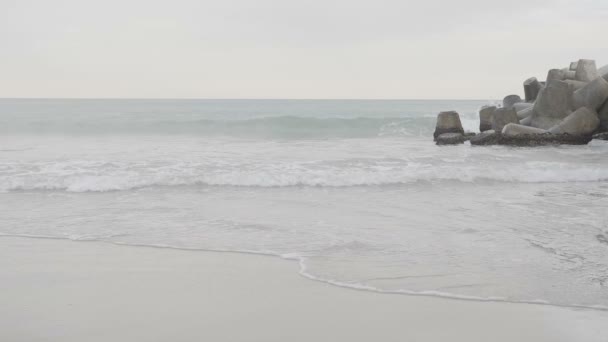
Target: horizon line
x: 244, y: 99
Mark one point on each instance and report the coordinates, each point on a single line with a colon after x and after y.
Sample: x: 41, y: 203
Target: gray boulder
x: 586, y: 70
x: 593, y: 95
x: 485, y: 118
x: 502, y: 117
x: 531, y: 89
x: 554, y: 103
x: 582, y: 122
x: 451, y: 139
x: 448, y: 122
x: 510, y: 100
x: 573, y: 66
x: 515, y: 129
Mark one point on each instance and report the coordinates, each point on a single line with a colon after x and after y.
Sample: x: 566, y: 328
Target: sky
x: 344, y: 49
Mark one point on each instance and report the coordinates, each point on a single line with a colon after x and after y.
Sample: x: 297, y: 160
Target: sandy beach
x: 288, y: 171
x: 59, y: 290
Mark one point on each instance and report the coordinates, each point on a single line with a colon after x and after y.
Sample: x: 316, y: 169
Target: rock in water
x: 448, y: 122
x: 515, y: 129
x: 485, y: 138
x: 529, y: 140
x: 451, y: 139
x: 593, y: 95
x: 531, y: 89
x: 502, y: 117
x: 510, y: 100
x: 485, y: 118
x: 580, y: 123
x: 553, y: 104
x: 586, y: 70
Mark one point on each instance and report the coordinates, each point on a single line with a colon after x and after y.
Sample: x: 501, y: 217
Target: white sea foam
x: 88, y: 176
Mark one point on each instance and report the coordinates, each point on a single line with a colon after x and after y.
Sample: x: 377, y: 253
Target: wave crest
x: 100, y: 176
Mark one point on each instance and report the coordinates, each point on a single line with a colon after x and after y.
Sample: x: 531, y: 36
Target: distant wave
x: 282, y: 127
x: 99, y: 176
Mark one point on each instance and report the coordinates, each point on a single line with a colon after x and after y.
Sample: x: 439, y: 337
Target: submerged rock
x: 485, y: 138
x: 529, y: 140
x: 451, y: 139
x: 448, y: 122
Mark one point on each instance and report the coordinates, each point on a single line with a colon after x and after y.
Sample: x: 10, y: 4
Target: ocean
x: 355, y: 191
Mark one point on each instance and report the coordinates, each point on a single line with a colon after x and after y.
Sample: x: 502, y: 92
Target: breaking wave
x: 280, y: 127
x: 102, y: 176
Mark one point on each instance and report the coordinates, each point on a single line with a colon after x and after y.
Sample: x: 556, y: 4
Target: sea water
x: 356, y: 191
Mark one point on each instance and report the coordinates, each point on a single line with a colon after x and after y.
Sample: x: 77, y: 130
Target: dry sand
x: 57, y: 290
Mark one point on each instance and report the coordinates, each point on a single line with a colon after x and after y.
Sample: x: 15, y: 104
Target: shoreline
x: 301, y: 271
x: 55, y: 289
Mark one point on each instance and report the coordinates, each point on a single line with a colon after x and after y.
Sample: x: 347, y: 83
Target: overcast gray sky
x: 396, y: 49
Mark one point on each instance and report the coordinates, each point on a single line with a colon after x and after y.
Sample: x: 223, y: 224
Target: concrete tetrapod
x: 553, y: 104
x: 580, y: 123
x: 448, y: 122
